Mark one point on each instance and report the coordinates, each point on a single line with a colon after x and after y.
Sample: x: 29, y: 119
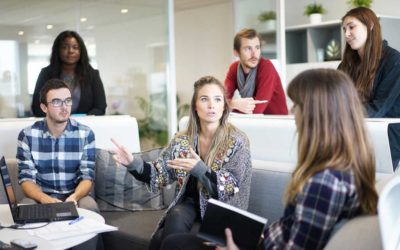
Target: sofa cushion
x: 117, y: 190
x: 134, y: 229
x: 268, y: 185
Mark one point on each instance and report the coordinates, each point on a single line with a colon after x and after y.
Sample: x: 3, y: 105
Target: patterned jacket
x: 232, y: 167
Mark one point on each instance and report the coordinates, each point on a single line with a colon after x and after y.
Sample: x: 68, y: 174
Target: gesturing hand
x: 122, y: 156
x: 246, y: 105
x: 184, y: 163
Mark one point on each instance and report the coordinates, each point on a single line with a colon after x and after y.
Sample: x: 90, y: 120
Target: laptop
x: 34, y: 213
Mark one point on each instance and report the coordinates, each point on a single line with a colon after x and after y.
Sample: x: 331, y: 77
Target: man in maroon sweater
x: 255, y: 78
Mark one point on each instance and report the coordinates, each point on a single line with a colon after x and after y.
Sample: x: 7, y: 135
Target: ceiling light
x: 49, y: 26
x: 83, y: 19
x: 123, y: 11
x: 21, y: 32
x: 37, y: 41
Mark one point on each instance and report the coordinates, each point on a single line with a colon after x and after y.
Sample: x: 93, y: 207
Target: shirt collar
x: 46, y: 131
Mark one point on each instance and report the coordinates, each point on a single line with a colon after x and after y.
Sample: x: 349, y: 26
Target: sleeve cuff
x: 136, y: 165
x: 199, y: 169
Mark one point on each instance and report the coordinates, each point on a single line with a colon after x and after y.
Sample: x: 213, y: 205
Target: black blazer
x: 93, y: 98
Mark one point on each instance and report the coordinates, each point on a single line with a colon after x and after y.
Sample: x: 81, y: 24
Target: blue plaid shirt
x: 56, y: 164
x: 328, y: 197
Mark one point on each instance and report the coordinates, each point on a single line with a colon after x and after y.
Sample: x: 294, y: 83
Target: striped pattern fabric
x: 56, y: 164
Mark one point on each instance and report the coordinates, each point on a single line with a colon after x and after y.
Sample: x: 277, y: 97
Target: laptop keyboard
x: 35, y: 211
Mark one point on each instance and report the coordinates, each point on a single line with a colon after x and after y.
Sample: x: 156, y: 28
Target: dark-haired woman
x: 374, y: 67
x: 69, y: 62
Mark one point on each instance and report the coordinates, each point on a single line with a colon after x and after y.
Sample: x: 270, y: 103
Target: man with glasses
x: 56, y: 156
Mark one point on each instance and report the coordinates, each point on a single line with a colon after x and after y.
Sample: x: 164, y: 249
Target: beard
x: 250, y: 65
x: 60, y: 117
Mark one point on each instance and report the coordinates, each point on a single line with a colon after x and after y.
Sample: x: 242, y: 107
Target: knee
x: 175, y: 211
x: 88, y: 203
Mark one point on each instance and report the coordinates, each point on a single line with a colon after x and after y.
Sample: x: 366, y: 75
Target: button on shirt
x: 56, y: 164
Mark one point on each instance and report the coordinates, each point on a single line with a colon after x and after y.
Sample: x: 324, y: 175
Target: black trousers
x: 180, y: 219
x: 394, y: 143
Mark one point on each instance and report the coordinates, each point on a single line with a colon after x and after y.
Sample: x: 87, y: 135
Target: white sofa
x: 123, y: 128
x: 273, y: 148
x: 273, y: 141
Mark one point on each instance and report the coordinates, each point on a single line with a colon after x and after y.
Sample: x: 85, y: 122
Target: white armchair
x: 389, y: 214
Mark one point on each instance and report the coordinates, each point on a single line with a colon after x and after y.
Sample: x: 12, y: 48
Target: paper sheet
x: 62, y: 229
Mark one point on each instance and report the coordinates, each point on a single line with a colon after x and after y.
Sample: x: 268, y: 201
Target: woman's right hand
x: 122, y: 156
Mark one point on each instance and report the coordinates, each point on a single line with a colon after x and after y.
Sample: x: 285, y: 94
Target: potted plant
x: 314, y: 11
x: 359, y: 3
x: 267, y: 18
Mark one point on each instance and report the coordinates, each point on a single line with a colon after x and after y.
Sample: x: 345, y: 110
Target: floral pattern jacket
x: 232, y: 167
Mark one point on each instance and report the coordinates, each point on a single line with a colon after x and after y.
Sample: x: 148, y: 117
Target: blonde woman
x: 335, y: 173
x: 211, y: 159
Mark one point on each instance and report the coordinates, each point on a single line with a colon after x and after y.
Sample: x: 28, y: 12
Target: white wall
x: 125, y: 60
x: 204, y: 38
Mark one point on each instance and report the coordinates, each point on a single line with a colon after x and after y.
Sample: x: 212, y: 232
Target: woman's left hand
x: 184, y: 163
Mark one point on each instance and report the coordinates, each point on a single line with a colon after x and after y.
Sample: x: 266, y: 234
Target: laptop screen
x: 8, y: 189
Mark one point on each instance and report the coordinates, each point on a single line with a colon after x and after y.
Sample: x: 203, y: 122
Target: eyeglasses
x: 58, y: 102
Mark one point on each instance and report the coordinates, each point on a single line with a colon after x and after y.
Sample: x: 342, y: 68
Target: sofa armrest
x: 361, y: 232
x: 13, y: 172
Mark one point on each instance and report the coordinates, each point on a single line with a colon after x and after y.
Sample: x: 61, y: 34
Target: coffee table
x: 6, y: 234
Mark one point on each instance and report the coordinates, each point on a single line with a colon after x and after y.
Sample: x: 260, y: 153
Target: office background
x: 130, y: 43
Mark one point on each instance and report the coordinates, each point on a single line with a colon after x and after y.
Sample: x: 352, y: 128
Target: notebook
x: 33, y: 213
x: 246, y: 227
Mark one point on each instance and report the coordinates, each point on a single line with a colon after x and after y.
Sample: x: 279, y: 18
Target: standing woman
x: 375, y: 69
x: 69, y: 62
x: 211, y: 159
x: 334, y: 178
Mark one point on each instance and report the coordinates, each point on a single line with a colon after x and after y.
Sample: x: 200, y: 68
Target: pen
x: 76, y: 220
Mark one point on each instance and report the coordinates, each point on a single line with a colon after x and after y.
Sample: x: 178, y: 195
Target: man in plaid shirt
x: 56, y: 156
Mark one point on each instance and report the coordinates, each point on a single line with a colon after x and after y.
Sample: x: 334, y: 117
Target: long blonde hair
x: 331, y: 132
x: 221, y: 135
x: 363, y: 71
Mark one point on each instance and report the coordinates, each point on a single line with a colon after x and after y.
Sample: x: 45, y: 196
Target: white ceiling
x: 32, y: 16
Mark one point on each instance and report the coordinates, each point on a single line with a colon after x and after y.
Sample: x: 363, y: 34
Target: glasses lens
x: 56, y: 102
x: 68, y: 102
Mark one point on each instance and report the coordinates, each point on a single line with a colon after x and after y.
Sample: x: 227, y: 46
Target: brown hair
x: 331, y: 133
x: 221, y: 135
x: 244, y: 33
x: 363, y: 71
x: 50, y: 85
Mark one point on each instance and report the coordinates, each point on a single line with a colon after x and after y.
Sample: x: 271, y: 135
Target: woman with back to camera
x: 334, y: 177
x: 211, y: 159
x: 69, y: 62
x: 374, y: 67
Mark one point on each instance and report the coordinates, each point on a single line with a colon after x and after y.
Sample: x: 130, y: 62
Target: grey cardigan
x: 232, y: 167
